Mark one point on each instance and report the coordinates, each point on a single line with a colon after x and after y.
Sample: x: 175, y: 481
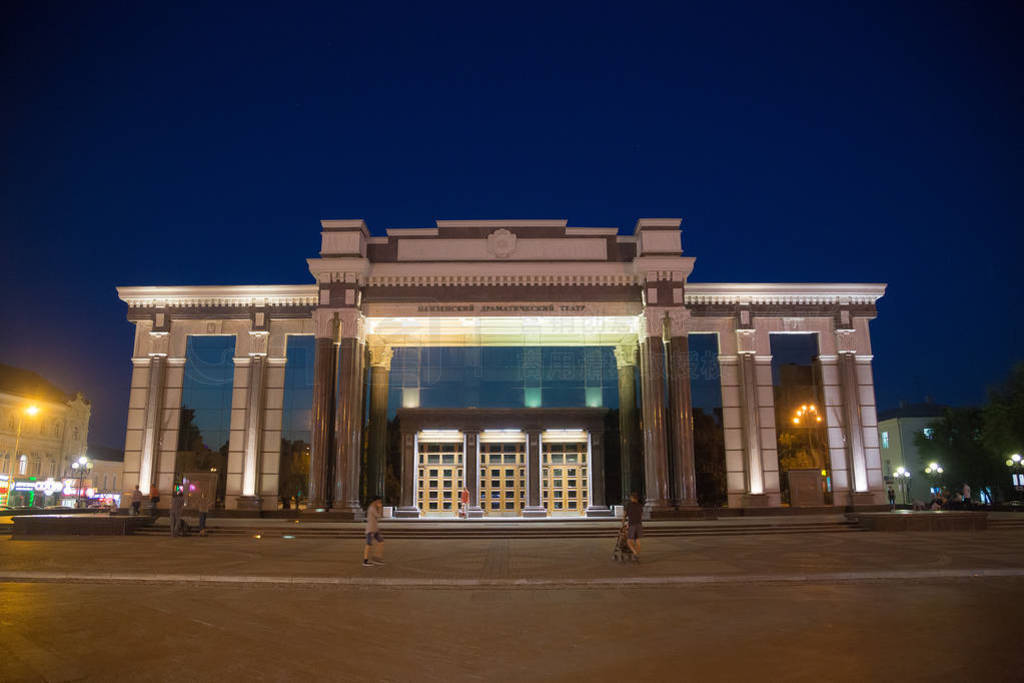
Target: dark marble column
x: 321, y: 421
x: 629, y: 440
x: 407, y: 507
x: 376, y: 462
x: 684, y: 478
x: 471, y: 475
x: 533, y: 504
x: 597, y: 506
x: 347, y: 417
x: 655, y: 440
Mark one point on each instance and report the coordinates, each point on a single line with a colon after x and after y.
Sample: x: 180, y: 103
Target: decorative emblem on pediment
x: 501, y: 243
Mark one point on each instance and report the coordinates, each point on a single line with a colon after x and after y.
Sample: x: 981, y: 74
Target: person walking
x: 373, y: 514
x: 892, y: 499
x: 177, y: 507
x: 966, y: 493
x: 203, y: 506
x: 154, y: 498
x: 635, y: 520
x: 136, y: 500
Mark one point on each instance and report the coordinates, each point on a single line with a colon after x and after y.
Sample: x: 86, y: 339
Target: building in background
x: 896, y: 432
x: 42, y: 430
x: 105, y: 477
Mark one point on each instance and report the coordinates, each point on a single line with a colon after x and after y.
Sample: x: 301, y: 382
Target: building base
x: 474, y: 512
x: 534, y: 511
x: 350, y: 511
x: 407, y: 512
x: 599, y: 511
x: 755, y: 500
x: 249, y: 503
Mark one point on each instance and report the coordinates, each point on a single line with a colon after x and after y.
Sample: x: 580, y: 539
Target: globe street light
x: 1015, y: 462
x: 903, y: 481
x: 82, y: 466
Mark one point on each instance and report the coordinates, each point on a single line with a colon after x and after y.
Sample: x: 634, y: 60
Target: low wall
x: 922, y: 520
x: 76, y: 525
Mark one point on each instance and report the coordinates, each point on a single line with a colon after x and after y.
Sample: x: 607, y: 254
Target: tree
x: 1003, y: 416
x: 957, y: 443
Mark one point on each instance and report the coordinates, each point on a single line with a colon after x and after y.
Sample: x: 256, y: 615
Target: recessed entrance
x: 502, y: 474
x: 564, y: 480
x: 440, y: 472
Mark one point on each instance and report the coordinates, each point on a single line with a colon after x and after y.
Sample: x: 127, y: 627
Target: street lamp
x: 31, y: 410
x: 81, y: 467
x: 1015, y: 462
x: 933, y: 470
x: 903, y: 481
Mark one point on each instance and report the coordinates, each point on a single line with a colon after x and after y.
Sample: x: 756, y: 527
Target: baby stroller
x: 622, y: 552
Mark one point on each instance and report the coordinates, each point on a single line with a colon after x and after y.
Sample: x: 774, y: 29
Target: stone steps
x: 537, y: 531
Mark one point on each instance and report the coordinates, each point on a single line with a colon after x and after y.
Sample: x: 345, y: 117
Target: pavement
x: 800, y: 607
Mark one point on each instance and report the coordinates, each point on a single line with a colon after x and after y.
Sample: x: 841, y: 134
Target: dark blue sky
x: 146, y: 144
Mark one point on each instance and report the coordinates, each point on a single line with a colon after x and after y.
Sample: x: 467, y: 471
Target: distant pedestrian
x: 177, y: 507
x: 966, y: 492
x: 373, y: 514
x: 154, y: 498
x: 136, y: 500
x: 892, y: 499
x: 635, y: 520
x: 204, y: 508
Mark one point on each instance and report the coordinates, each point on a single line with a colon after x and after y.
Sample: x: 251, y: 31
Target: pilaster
x: 533, y: 502
x: 471, y: 475
x: 683, y: 470
x: 380, y: 369
x: 629, y: 441
x: 652, y: 369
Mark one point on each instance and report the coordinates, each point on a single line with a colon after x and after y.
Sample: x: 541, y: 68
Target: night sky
x: 152, y: 145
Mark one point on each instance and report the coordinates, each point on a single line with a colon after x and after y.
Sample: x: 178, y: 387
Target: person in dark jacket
x: 635, y: 520
x: 177, y: 508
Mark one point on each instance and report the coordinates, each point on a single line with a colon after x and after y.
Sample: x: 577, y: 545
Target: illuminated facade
x: 480, y: 284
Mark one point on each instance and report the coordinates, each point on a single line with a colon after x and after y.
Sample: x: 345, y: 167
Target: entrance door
x: 439, y: 478
x: 502, y: 478
x: 564, y: 482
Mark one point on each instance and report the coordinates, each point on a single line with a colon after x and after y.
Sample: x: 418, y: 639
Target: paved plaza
x: 801, y: 607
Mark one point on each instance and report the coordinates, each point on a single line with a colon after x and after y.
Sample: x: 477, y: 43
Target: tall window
x: 885, y: 439
x: 800, y: 414
x: 205, y: 425
x: 296, y: 422
x: 23, y: 465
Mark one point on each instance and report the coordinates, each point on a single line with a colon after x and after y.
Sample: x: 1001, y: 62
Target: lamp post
x: 807, y: 416
x: 81, y: 467
x: 1015, y: 462
x: 903, y: 481
x: 31, y: 410
x: 934, y: 470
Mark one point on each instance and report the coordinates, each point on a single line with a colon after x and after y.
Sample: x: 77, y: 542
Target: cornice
x: 784, y: 293
x: 230, y: 295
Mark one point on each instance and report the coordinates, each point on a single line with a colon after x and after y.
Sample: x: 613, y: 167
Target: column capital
x: 258, y: 342
x: 625, y: 355
x: 352, y: 323
x: 678, y: 318
x: 653, y: 322
x: 380, y: 355
x: 325, y: 323
x: 846, y: 341
x: 746, y: 341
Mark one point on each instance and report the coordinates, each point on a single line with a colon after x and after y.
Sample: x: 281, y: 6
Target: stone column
x: 151, y: 423
x: 595, y: 465
x: 629, y: 465
x: 750, y: 419
x: 255, y: 396
x: 323, y: 409
x: 471, y: 475
x: 376, y: 465
x: 407, y: 507
x: 533, y: 504
x: 652, y: 368
x: 348, y: 418
x: 684, y: 478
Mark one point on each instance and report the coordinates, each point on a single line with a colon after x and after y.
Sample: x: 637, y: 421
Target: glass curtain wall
x: 800, y: 422
x: 708, y: 429
x: 296, y: 422
x: 205, y: 426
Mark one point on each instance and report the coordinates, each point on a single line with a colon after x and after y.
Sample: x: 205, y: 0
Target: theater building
x: 477, y: 286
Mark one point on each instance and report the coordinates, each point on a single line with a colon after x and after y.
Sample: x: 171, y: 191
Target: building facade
x: 529, y: 283
x: 42, y: 430
x: 897, y: 433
